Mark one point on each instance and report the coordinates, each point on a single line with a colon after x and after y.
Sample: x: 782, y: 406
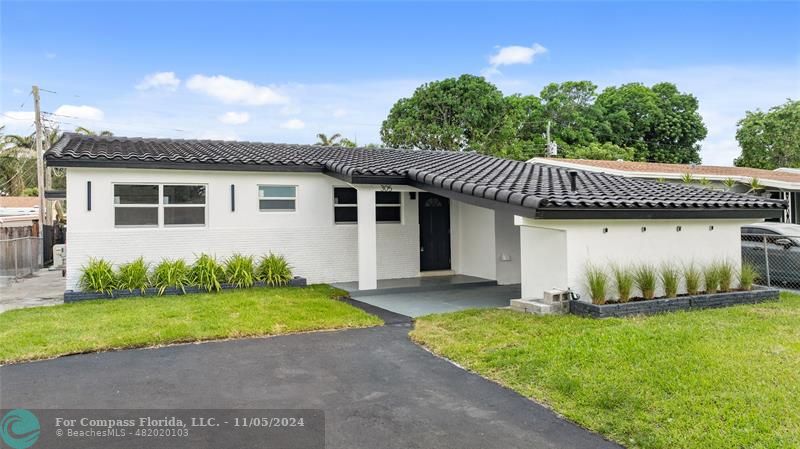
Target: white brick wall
x: 317, y: 248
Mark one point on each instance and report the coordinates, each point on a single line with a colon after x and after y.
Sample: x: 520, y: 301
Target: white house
x: 342, y: 214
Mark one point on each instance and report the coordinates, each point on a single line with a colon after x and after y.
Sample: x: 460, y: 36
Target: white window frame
x: 282, y: 198
x: 398, y: 205
x: 160, y: 205
x: 163, y: 205
x: 156, y: 205
x: 333, y: 198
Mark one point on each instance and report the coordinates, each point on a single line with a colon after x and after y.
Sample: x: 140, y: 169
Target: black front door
x: 434, y: 232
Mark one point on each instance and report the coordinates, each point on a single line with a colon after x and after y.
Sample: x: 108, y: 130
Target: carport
x: 416, y: 297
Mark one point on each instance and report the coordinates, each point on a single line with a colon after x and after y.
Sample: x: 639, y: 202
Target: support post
x: 367, y: 240
x: 39, y: 158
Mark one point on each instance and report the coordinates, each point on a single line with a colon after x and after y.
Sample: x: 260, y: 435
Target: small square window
x: 277, y: 198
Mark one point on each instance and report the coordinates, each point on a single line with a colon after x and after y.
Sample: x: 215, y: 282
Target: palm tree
x: 88, y: 132
x: 17, y: 164
x: 324, y: 140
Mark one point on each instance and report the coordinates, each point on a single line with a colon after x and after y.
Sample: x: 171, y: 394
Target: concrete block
x: 539, y: 307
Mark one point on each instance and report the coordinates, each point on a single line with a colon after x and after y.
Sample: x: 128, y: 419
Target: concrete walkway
x: 43, y: 288
x: 376, y: 387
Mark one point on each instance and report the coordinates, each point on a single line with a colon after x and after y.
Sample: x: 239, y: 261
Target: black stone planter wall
x: 758, y: 294
x: 74, y: 296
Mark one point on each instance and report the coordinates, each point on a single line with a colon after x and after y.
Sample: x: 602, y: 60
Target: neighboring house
x: 781, y: 183
x: 19, y: 206
x: 342, y: 214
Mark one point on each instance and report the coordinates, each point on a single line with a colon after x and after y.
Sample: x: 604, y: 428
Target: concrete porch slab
x: 425, y: 302
x: 408, y: 285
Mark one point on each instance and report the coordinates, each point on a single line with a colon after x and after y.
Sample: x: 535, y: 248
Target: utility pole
x: 39, y: 158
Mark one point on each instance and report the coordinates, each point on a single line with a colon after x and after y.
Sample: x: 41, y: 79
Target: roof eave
x: 586, y: 213
x: 173, y: 165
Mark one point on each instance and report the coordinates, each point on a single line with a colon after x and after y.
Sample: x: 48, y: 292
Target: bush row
x: 206, y: 272
x: 622, y: 281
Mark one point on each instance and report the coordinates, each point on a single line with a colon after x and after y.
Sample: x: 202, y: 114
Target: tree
x: 570, y: 108
x: 17, y: 164
x: 601, y: 151
x: 88, y: 132
x: 456, y: 114
x: 770, y: 139
x: 661, y: 123
x: 335, y: 140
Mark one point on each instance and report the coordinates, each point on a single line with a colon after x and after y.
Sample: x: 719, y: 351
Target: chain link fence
x: 775, y: 257
x: 20, y: 257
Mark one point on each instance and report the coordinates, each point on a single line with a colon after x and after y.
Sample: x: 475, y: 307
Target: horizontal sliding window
x: 138, y: 205
x: 135, y: 205
x: 388, y: 206
x: 277, y: 198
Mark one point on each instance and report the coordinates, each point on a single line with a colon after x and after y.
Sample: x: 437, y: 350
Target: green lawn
x: 44, y: 332
x: 724, y: 378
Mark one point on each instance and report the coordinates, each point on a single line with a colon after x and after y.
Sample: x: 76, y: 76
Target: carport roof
x: 529, y: 189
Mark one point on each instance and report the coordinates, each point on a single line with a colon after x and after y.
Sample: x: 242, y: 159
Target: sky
x: 283, y: 72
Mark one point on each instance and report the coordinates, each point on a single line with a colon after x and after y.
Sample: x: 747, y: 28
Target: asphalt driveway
x: 377, y: 388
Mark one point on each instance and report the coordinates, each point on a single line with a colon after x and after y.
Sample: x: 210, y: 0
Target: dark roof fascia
x: 475, y: 200
x: 183, y: 165
x: 55, y: 194
x: 589, y: 213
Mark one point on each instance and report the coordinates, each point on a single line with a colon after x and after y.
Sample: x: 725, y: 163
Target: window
x: 388, y: 206
x: 135, y: 205
x: 184, y: 205
x: 277, y: 198
x: 138, y: 205
x: 345, y: 205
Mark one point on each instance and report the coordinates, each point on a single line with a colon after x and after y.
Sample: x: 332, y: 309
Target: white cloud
x: 233, y: 91
x: 234, y: 118
x: 294, y: 123
x: 166, y: 80
x: 17, y: 91
x: 218, y: 135
x: 340, y: 112
x: 516, y: 54
x: 80, y: 112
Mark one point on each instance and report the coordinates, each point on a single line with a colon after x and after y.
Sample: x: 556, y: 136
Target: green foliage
x: 597, y: 283
x: 687, y: 178
x: 748, y: 276
x: 600, y: 151
x: 726, y: 274
x: 98, y: 276
x: 335, y: 140
x: 704, y: 182
x: 693, y: 276
x: 623, y: 281
x: 239, y: 270
x: 133, y: 275
x: 755, y: 185
x: 729, y: 183
x: 711, y: 278
x: 670, y: 277
x: 453, y: 114
x: 645, y: 278
x: 274, y: 270
x: 770, y: 139
x: 206, y: 273
x: 171, y: 273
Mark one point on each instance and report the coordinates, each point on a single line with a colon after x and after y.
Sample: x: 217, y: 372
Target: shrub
x: 597, y: 282
x: 206, y: 273
x: 239, y: 270
x: 133, y: 275
x: 98, y: 276
x: 692, y: 275
x: 670, y: 278
x: 274, y: 270
x: 726, y: 273
x: 646, y: 277
x: 623, y: 280
x: 171, y: 273
x: 711, y: 278
x: 748, y: 276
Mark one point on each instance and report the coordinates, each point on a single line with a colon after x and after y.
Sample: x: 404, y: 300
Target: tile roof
x: 19, y: 201
x: 528, y: 187
x: 656, y: 169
